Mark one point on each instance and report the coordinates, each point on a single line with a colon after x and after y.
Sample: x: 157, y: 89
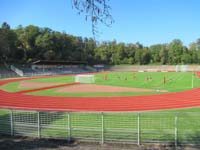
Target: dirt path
x: 48, y: 87
x: 25, y: 84
x: 99, y: 88
x: 25, y: 143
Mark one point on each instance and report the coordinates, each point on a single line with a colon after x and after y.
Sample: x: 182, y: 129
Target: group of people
x: 148, y: 78
x: 105, y: 77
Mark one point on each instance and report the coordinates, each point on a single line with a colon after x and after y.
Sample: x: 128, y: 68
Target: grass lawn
x: 174, y: 82
x: 52, y: 92
x: 59, y: 79
x: 11, y: 87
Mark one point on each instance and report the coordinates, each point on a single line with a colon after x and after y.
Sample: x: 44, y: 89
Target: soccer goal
x: 182, y: 68
x: 84, y: 78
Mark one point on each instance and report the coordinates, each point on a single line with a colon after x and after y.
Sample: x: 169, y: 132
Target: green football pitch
x: 174, y: 82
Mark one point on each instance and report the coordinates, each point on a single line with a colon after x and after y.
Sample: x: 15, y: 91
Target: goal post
x: 182, y: 68
x: 84, y: 78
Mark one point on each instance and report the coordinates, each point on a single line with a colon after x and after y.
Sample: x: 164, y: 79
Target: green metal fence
x: 136, y: 128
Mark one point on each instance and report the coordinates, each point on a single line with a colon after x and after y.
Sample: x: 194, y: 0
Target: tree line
x: 31, y: 43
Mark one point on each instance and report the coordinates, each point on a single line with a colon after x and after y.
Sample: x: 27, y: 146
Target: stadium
x: 125, y: 77
x: 133, y: 104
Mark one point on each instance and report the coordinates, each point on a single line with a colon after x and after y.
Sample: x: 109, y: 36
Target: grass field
x: 155, y: 126
x: 174, y: 82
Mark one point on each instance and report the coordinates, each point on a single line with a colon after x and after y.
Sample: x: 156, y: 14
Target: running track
x: 19, y: 100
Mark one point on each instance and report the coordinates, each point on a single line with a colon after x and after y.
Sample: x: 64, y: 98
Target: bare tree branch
x: 97, y: 11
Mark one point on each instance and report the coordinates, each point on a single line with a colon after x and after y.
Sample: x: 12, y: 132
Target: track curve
x: 190, y: 98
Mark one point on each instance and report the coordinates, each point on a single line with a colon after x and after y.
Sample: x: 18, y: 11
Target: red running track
x: 183, y: 99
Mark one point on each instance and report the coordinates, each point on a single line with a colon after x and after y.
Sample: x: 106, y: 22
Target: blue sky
x: 147, y: 21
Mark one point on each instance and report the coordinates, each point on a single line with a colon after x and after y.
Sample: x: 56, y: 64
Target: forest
x: 32, y: 43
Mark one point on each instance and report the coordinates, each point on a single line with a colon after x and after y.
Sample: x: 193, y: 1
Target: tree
x: 193, y: 53
x: 155, y: 52
x: 146, y: 56
x: 175, y: 51
x: 8, y: 40
x: 26, y: 40
x: 31, y: 43
x: 97, y: 11
x: 130, y: 53
x: 138, y: 56
x: 44, y: 42
x: 5, y: 26
x: 197, y: 48
x: 102, y: 53
x: 88, y: 50
x: 186, y: 58
x: 198, y: 44
x: 164, y: 55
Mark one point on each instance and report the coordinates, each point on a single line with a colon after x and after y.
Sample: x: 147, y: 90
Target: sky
x: 146, y: 21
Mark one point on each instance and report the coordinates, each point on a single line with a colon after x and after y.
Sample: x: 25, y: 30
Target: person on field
x: 118, y: 76
x: 134, y: 76
x: 105, y: 77
x: 164, y: 80
x: 147, y: 78
x: 150, y: 78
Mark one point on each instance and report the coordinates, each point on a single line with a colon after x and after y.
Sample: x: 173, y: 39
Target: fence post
x: 69, y: 126
x: 138, y: 131
x: 38, y: 121
x: 102, y: 128
x: 176, y: 130
x: 11, y: 123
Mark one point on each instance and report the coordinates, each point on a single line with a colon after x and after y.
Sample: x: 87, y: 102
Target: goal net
x: 182, y: 68
x: 84, y: 78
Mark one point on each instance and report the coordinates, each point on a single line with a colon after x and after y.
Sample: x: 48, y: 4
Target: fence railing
x: 136, y: 128
x: 177, y: 68
x: 34, y: 74
x: 115, y: 68
x: 17, y: 71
